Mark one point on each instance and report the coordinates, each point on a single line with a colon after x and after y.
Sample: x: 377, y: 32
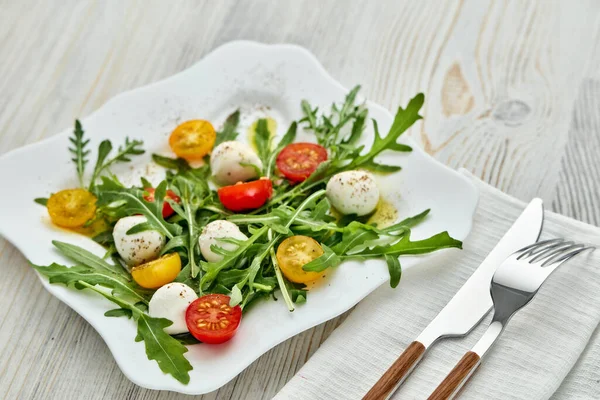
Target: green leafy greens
x: 229, y: 131
x: 249, y: 270
x: 92, y: 272
x: 124, y: 154
x: 79, y: 150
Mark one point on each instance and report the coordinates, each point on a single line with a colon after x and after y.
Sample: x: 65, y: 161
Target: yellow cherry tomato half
x: 295, y: 252
x: 71, y: 208
x: 193, y: 139
x: 154, y: 274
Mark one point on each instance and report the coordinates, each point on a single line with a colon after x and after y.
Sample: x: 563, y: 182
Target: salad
x: 231, y: 223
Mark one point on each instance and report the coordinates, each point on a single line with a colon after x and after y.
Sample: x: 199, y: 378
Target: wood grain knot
x: 512, y: 112
x: 456, y: 95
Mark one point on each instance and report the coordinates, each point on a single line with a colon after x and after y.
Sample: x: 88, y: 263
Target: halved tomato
x: 246, y: 196
x: 167, y: 210
x: 211, y: 319
x: 156, y: 273
x: 71, y: 208
x: 298, y: 160
x: 193, y: 139
x: 294, y: 253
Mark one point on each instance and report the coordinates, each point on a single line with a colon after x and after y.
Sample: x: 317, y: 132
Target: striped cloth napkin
x: 550, y: 349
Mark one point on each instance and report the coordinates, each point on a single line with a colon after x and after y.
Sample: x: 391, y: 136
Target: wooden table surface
x: 513, y: 95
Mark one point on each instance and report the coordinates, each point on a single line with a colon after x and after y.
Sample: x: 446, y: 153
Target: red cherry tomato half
x: 298, y: 160
x: 246, y: 196
x: 167, y: 210
x: 211, y: 319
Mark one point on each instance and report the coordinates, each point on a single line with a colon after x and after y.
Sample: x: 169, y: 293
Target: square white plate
x: 260, y: 79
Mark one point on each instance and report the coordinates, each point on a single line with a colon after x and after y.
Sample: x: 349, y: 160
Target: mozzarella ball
x: 353, y: 192
x: 226, y: 163
x: 218, y: 230
x: 170, y: 302
x: 140, y: 247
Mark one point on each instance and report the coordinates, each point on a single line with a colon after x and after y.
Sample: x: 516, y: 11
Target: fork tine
x: 537, y: 247
x: 539, y: 254
x: 567, y: 256
x: 552, y: 251
x: 550, y: 258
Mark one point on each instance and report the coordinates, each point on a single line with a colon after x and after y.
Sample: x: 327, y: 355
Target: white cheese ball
x: 218, y: 230
x: 140, y: 247
x: 170, y: 302
x: 353, y: 192
x: 226, y: 160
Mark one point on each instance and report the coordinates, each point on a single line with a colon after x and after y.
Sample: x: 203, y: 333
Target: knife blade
x: 469, y: 305
x: 473, y: 300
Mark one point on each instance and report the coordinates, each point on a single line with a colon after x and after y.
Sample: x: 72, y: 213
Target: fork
x: 514, y: 284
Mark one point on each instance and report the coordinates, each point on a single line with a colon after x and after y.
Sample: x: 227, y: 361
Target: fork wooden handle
x: 393, y: 377
x: 455, y: 380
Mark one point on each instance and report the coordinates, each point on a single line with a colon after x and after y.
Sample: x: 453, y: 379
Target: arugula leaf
x: 235, y: 297
x: 262, y: 140
x: 128, y: 149
x: 357, y: 128
x: 177, y: 164
x: 43, y: 201
x: 79, y: 151
x: 298, y: 295
x: 280, y: 281
x: 104, y: 150
x: 145, y: 183
x: 315, y: 179
x: 161, y: 347
x: 119, y: 312
x: 167, y: 351
x: 84, y: 257
x: 405, y: 246
x: 213, y: 268
x: 185, y: 277
x: 394, y: 268
x: 380, y: 168
x: 308, y: 203
x: 403, y: 120
x: 256, y: 263
x: 177, y: 242
x: 141, y: 227
x: 352, y: 238
x: 406, y: 223
x: 186, y: 338
x: 326, y: 260
x: 228, y: 132
x: 110, y: 191
x: 325, y: 130
x: 288, y: 138
x: 257, y: 170
x: 57, y: 273
x: 321, y: 209
x: 230, y: 277
x: 273, y: 220
x: 193, y: 197
x: 310, y: 115
x: 104, y: 238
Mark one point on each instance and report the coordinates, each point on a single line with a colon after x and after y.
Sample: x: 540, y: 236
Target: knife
x: 468, y: 306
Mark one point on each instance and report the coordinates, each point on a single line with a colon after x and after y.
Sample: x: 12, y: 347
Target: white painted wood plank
x: 500, y: 78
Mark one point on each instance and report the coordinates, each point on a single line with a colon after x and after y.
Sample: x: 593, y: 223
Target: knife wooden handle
x: 395, y: 375
x: 455, y: 380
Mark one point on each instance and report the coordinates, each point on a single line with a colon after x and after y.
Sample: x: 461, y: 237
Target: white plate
x: 258, y: 78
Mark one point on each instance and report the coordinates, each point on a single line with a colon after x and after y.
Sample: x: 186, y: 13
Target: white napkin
x: 530, y: 361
